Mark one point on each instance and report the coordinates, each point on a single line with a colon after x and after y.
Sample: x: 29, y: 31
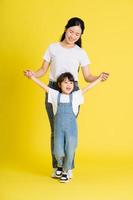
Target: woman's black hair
x: 62, y: 77
x: 75, y: 21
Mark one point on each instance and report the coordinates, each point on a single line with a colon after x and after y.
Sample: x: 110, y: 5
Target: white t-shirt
x: 77, y: 99
x: 63, y: 59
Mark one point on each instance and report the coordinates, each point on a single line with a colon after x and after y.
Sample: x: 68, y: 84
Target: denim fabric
x: 50, y: 113
x: 65, y: 134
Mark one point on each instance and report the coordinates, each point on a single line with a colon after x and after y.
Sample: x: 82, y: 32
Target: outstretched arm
x: 92, y: 84
x: 38, y: 82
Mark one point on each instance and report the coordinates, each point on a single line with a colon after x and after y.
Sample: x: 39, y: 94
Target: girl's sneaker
x: 64, y: 178
x: 57, y: 172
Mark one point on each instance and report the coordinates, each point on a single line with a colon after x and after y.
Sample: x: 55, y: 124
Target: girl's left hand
x: 104, y: 76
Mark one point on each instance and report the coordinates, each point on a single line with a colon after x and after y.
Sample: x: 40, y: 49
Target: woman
x: 65, y: 56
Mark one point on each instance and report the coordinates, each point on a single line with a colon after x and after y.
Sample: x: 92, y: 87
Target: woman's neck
x: 66, y: 45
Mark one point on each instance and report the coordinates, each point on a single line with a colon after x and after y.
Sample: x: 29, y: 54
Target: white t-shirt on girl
x: 77, y: 99
x: 63, y: 59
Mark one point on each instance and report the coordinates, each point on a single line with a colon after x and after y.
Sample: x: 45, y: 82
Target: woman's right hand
x: 28, y: 73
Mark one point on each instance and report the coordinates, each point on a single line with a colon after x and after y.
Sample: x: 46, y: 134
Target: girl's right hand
x: 28, y: 73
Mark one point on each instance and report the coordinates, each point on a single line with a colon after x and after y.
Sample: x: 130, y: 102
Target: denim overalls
x: 65, y: 134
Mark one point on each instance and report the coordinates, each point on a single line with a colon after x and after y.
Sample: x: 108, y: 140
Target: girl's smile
x: 67, y: 86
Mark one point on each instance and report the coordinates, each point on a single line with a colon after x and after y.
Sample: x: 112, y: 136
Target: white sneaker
x: 64, y: 178
x: 57, y: 173
x: 69, y: 173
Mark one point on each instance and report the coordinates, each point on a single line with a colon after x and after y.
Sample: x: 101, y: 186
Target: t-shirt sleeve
x: 78, y: 97
x: 47, y: 54
x: 52, y: 96
x: 84, y: 59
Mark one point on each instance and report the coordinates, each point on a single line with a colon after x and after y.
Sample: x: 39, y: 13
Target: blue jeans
x: 50, y: 113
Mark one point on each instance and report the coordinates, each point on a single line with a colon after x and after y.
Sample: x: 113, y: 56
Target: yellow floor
x: 101, y: 178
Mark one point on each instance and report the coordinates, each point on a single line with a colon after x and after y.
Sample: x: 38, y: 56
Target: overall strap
x: 58, y: 98
x: 71, y: 98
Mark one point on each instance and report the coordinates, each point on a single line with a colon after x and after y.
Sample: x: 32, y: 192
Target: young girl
x: 65, y: 107
x: 65, y: 56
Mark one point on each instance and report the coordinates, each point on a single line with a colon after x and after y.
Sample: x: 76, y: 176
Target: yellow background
x: 104, y: 158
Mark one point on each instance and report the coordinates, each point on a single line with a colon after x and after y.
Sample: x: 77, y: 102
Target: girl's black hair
x: 62, y: 77
x: 75, y: 21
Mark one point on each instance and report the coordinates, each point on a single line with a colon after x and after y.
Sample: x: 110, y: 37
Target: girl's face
x: 73, y: 34
x: 67, y: 86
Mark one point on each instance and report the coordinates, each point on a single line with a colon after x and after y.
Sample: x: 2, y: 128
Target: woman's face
x: 73, y: 34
